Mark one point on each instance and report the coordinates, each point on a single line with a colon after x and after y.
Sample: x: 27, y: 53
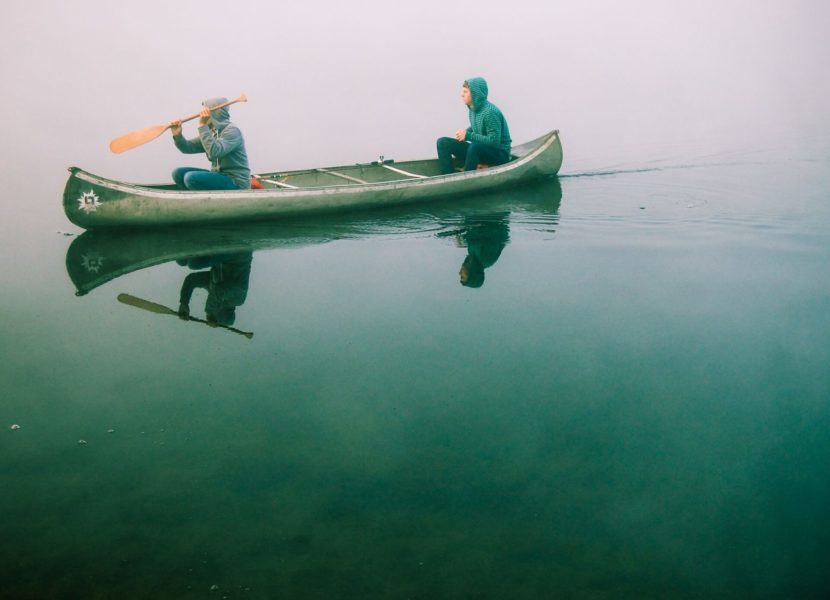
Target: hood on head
x: 475, y: 272
x: 478, y: 90
x: 221, y: 116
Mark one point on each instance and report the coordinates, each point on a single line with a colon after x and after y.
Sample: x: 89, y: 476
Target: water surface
x: 632, y: 403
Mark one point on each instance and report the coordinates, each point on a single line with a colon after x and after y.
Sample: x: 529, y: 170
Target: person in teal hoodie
x: 485, y: 237
x: 485, y: 141
x: 224, y: 145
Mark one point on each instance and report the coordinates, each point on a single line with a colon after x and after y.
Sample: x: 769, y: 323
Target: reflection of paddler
x: 226, y: 283
x: 484, y: 239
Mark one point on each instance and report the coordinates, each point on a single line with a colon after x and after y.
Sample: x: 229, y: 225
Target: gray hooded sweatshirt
x: 222, y: 142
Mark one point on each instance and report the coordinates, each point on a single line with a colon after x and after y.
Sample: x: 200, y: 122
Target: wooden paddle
x: 148, y: 134
x: 163, y: 310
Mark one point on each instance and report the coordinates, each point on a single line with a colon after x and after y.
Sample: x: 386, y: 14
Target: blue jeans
x: 471, y: 153
x: 191, y: 178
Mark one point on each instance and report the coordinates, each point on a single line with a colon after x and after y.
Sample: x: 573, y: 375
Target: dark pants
x: 471, y: 153
x: 191, y: 178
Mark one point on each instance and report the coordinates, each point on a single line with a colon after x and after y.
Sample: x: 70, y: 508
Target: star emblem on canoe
x: 92, y: 262
x: 88, y: 201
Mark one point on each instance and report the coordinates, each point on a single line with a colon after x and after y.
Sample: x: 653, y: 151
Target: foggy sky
x: 341, y: 82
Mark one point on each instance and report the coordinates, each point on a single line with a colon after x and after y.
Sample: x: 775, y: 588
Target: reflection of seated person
x: 226, y: 283
x: 484, y: 240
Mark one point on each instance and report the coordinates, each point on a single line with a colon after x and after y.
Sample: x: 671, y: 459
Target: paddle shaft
x: 242, y: 98
x: 163, y: 310
x: 148, y: 134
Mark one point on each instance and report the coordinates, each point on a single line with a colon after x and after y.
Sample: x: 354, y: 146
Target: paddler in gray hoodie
x: 222, y: 141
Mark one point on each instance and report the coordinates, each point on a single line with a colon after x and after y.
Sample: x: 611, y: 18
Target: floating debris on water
x: 110, y: 430
x: 82, y: 442
x: 214, y: 588
x: 14, y: 427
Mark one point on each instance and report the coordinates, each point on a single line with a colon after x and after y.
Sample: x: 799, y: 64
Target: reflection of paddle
x: 148, y: 134
x: 163, y: 310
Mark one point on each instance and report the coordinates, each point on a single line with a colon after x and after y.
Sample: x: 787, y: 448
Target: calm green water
x: 633, y: 404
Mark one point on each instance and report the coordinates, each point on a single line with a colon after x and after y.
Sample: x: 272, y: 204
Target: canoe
x: 92, y: 202
x: 99, y: 256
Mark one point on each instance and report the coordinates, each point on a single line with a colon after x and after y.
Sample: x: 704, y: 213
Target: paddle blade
x: 145, y: 304
x: 137, y: 138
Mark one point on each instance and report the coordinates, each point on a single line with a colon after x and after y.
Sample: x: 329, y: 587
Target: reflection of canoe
x: 97, y: 257
x: 94, y: 202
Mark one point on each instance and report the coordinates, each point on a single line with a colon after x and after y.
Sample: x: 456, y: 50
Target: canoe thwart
x: 278, y: 183
x: 405, y: 173
x: 341, y: 175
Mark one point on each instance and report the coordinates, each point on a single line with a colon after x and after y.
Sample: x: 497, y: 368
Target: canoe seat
x: 479, y: 167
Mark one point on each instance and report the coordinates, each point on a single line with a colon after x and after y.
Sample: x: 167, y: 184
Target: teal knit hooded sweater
x: 487, y: 124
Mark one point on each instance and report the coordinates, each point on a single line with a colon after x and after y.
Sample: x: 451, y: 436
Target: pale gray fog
x: 634, y: 404
x: 334, y: 82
